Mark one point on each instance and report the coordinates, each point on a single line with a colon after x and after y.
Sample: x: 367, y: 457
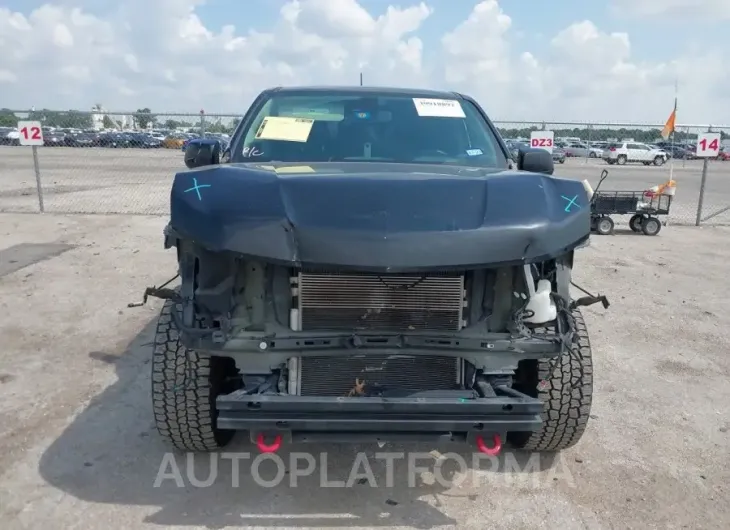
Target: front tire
x: 604, y: 226
x: 567, y: 394
x: 659, y: 160
x: 185, y: 385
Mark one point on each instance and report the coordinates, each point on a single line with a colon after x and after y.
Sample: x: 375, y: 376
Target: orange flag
x: 669, y: 126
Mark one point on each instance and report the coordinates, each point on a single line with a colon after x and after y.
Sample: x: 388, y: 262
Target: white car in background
x: 623, y: 152
x: 582, y: 150
x: 9, y: 136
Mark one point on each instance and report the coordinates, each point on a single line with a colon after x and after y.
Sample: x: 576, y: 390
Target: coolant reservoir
x: 541, y: 303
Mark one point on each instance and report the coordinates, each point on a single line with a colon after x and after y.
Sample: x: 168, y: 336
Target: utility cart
x: 645, y: 206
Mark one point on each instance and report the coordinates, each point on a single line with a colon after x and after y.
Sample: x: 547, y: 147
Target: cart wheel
x: 635, y: 223
x: 651, y: 226
x: 605, y: 226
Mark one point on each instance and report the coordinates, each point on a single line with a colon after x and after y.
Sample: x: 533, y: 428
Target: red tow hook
x: 264, y: 448
x: 491, y: 451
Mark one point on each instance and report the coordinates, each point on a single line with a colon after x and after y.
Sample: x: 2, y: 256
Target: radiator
x: 371, y: 302
x: 339, y: 375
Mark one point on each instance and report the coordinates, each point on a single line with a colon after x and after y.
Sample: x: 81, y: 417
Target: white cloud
x: 169, y: 60
x: 715, y: 9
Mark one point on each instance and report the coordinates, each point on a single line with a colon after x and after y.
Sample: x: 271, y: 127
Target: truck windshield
x: 337, y: 127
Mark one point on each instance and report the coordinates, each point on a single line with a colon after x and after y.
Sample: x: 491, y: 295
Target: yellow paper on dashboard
x: 285, y: 129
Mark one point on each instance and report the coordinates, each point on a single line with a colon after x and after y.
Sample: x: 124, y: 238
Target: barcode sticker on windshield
x: 444, y: 108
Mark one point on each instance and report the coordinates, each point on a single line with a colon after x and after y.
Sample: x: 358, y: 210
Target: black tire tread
x: 568, y: 396
x: 182, y: 393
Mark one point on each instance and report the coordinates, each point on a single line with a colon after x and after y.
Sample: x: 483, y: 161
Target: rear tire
x: 185, y: 385
x: 651, y: 226
x: 591, y: 155
x: 621, y: 160
x: 567, y: 395
x: 635, y: 222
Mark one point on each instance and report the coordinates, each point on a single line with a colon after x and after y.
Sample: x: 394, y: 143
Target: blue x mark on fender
x: 197, y: 187
x: 571, y: 202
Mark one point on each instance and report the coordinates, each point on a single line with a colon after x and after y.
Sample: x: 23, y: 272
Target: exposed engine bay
x: 320, y: 332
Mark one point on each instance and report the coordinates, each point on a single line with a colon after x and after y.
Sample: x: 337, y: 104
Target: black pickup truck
x: 370, y: 264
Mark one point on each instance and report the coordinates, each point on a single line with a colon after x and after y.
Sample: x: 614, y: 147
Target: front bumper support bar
x: 317, y: 419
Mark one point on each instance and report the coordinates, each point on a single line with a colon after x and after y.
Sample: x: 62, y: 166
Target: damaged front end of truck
x: 312, y: 309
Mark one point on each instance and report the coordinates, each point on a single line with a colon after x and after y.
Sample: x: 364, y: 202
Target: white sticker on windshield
x: 284, y: 129
x: 474, y: 152
x: 444, y: 108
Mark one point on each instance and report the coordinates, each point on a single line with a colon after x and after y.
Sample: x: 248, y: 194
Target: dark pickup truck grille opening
x: 359, y: 302
x: 337, y: 375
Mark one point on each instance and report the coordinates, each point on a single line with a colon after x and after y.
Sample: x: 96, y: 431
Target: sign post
x: 542, y: 140
x: 31, y: 134
x: 708, y: 146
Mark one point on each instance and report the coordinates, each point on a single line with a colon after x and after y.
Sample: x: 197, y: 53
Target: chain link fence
x: 106, y: 162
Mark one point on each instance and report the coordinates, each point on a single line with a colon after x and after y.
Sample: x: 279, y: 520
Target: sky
x: 613, y: 61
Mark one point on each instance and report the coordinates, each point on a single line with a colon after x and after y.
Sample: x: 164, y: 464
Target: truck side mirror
x: 202, y: 152
x: 536, y: 161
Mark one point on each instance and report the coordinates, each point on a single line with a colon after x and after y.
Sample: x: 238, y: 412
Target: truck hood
x: 380, y: 216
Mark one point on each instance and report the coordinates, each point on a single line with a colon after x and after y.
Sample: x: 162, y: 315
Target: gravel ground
x: 100, y: 180
x: 78, y: 448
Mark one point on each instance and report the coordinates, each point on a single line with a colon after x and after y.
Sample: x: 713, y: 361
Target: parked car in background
x: 582, y: 150
x: 159, y: 135
x: 54, y: 138
x: 174, y: 141
x: 124, y: 139
x: 9, y: 136
x: 83, y: 139
x: 622, y: 152
x: 724, y: 154
x: 559, y: 155
x: 514, y: 147
x: 678, y: 151
x: 145, y: 141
